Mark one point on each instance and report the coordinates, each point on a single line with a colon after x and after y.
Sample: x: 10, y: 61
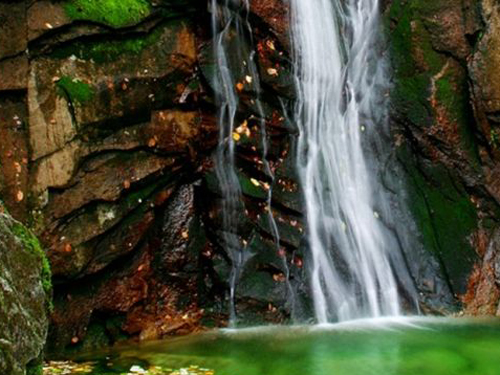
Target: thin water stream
x: 235, y: 55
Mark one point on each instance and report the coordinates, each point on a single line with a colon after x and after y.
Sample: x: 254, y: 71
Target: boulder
x: 25, y: 298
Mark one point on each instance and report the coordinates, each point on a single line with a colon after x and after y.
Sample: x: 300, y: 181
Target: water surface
x: 367, y: 347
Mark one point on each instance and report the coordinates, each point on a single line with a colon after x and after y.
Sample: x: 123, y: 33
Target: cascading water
x: 224, y: 22
x: 235, y: 65
x: 341, y: 81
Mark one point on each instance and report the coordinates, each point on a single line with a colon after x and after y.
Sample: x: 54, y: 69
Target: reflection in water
x: 382, y: 347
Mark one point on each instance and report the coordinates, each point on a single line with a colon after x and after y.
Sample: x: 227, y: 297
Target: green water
x: 403, y: 347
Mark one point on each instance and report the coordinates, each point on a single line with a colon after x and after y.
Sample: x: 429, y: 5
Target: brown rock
x: 276, y: 14
x: 45, y: 15
x: 13, y: 35
x: 14, y: 73
x: 485, y: 64
x: 101, y: 180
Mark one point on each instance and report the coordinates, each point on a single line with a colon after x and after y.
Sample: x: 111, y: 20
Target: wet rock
x: 436, y: 136
x: 111, y: 127
x: 74, y: 91
x: 274, y: 13
x: 13, y: 35
x: 483, y: 294
x: 14, y: 153
x: 485, y: 60
x: 14, y: 73
x: 45, y: 16
x: 25, y: 296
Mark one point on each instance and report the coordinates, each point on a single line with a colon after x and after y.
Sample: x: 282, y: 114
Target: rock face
x: 108, y: 127
x: 445, y: 100
x: 109, y: 121
x: 25, y: 298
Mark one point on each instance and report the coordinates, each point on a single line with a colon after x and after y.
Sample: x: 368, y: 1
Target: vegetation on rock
x: 114, y: 13
x: 75, y: 90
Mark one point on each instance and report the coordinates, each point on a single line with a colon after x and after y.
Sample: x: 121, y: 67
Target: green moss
x: 411, y: 49
x: 250, y: 188
x: 104, y: 51
x: 75, y: 90
x: 454, y: 97
x: 35, y: 368
x: 494, y: 140
x: 32, y: 244
x: 445, y: 216
x: 114, y: 13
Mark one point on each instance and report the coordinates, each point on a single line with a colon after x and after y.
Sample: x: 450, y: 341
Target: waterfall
x: 235, y: 66
x: 341, y: 81
x: 224, y: 21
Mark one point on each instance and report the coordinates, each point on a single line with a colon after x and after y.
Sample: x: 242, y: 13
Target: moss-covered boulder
x: 25, y: 298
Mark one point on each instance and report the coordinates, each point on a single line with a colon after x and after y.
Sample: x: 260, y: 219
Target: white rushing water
x: 341, y: 83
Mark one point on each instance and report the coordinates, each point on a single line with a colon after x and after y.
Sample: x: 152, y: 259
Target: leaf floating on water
x: 72, y: 368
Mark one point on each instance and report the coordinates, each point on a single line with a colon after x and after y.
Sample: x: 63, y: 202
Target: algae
x: 114, y: 13
x: 31, y: 243
x: 104, y: 51
x: 75, y: 90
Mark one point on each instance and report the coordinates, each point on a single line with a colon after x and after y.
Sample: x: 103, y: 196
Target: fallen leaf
x: 255, y: 182
x: 272, y: 72
x: 152, y: 142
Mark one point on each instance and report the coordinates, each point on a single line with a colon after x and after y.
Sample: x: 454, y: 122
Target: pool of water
x: 367, y: 347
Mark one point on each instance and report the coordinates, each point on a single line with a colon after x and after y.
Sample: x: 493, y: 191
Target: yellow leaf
x: 255, y: 182
x: 272, y: 72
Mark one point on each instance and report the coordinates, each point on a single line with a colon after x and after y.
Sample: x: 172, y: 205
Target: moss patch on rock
x: 114, y: 13
x: 445, y: 216
x: 104, y: 51
x: 75, y: 90
x: 31, y: 243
